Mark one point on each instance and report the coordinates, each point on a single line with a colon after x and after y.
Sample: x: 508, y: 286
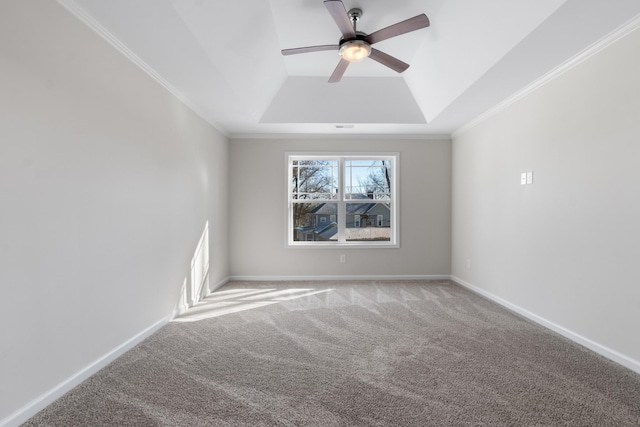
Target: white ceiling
x: 223, y: 58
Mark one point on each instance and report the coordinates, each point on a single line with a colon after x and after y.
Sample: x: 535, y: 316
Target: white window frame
x: 393, y: 157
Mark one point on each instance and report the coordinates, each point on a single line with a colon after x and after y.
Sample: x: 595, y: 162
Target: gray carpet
x: 417, y: 353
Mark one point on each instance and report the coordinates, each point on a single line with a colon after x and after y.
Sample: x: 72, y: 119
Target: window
x: 342, y: 200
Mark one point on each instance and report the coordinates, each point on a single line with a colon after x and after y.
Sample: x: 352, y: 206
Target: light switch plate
x: 529, y: 177
x: 523, y: 178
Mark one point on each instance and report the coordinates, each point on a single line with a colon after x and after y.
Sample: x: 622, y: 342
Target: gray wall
x: 106, y: 183
x: 565, y: 248
x: 257, y: 211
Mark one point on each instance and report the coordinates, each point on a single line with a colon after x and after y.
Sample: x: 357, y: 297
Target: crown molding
x: 86, y: 18
x: 572, y: 62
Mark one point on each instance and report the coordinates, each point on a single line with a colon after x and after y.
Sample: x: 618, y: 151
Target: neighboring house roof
x: 325, y: 209
x: 329, y: 232
x: 319, y: 229
x: 356, y: 208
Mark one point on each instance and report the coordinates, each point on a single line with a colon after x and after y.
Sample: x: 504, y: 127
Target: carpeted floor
x: 374, y: 353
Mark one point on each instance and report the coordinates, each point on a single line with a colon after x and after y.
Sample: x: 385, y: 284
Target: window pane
x: 368, y: 222
x: 314, y: 179
x: 367, y: 179
x: 315, y: 222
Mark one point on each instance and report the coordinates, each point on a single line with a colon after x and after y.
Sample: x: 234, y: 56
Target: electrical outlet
x: 343, y: 258
x: 529, y: 177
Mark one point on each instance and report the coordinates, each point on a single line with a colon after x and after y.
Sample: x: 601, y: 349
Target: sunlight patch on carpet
x: 237, y: 300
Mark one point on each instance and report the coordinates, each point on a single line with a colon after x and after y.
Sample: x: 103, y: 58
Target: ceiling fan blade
x: 394, y: 63
x: 411, y: 24
x: 339, y: 14
x: 308, y: 49
x: 339, y: 71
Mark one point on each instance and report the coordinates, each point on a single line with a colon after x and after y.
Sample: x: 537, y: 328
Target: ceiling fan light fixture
x: 355, y: 50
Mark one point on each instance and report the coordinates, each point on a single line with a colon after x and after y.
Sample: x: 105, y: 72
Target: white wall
x: 106, y: 183
x: 566, y: 248
x: 257, y: 212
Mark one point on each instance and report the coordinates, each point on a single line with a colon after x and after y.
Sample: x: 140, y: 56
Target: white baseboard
x: 32, y: 408
x: 613, y: 355
x: 329, y: 277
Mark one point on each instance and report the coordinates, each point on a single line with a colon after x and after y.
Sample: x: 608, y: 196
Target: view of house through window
x: 340, y: 199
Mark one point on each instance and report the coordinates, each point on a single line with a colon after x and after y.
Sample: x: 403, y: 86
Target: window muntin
x: 342, y: 200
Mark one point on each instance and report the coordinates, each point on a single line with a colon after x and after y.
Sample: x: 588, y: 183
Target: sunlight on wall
x: 183, y: 304
x: 200, y: 268
x: 196, y: 285
x: 237, y: 300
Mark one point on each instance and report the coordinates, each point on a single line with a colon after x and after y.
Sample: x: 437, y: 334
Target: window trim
x: 394, y: 223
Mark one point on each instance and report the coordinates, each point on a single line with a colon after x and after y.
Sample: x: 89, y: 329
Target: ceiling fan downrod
x: 354, y: 16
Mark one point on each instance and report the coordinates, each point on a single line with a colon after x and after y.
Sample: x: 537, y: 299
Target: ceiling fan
x: 355, y: 45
